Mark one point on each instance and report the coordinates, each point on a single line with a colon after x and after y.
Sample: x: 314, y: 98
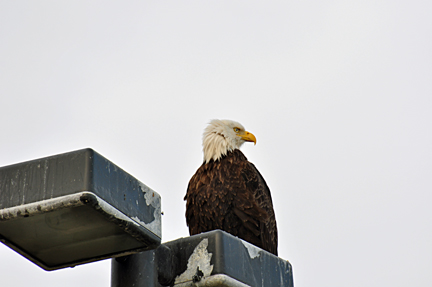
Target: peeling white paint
x: 149, y: 194
x: 152, y: 198
x: 139, y: 221
x: 42, y: 206
x: 61, y: 202
x: 113, y: 211
x: 200, y: 258
x: 218, y: 280
x: 75, y: 200
x: 252, y: 249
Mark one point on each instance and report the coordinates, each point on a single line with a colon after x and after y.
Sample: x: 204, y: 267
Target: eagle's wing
x: 257, y: 187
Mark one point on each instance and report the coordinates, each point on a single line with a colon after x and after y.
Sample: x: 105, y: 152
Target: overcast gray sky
x: 338, y: 94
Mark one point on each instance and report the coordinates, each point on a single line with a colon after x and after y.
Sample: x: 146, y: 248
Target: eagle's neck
x: 216, y: 145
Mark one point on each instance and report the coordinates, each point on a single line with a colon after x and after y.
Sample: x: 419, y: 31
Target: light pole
x: 78, y: 207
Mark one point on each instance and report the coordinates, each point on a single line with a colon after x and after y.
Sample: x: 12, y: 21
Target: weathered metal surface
x: 217, y: 252
x: 214, y: 258
x: 137, y: 270
x: 218, y: 280
x: 75, y: 208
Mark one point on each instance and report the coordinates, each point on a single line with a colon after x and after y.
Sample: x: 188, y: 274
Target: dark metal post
x: 137, y: 270
x: 146, y: 269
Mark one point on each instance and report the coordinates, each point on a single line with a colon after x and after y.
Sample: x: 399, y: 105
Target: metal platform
x: 214, y: 258
x: 75, y: 208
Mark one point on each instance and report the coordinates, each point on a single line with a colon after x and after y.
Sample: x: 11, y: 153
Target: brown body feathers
x: 230, y: 194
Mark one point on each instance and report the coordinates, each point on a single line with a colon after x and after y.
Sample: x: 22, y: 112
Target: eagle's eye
x: 236, y: 130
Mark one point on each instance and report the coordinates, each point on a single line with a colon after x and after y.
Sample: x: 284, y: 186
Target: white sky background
x: 338, y: 94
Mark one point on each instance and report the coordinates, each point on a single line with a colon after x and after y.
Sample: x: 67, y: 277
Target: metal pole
x: 137, y: 270
x: 146, y: 269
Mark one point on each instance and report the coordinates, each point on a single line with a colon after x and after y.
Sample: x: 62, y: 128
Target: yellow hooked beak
x: 249, y: 137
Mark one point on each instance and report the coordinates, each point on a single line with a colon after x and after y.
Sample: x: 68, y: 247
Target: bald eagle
x: 227, y: 192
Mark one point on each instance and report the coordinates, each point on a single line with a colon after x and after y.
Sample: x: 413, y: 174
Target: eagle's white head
x: 222, y: 136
